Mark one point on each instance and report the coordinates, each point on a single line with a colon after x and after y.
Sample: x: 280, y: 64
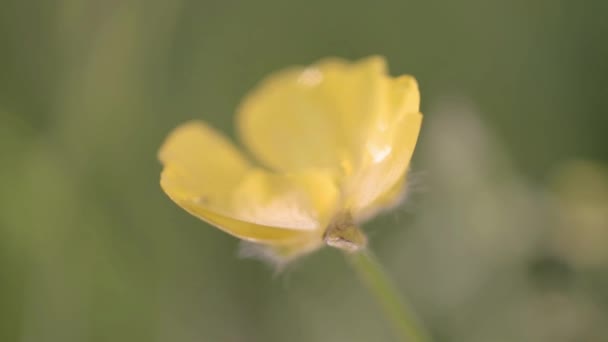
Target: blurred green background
x: 504, y: 236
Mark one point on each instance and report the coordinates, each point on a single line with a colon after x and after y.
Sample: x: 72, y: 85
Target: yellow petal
x: 404, y: 95
x: 313, y: 117
x: 246, y: 230
x: 304, y: 200
x: 387, y: 161
x: 207, y: 176
x: 201, y: 164
x: 385, y: 201
x: 380, y: 177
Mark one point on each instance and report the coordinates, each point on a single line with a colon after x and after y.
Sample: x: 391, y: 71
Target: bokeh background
x: 503, y: 237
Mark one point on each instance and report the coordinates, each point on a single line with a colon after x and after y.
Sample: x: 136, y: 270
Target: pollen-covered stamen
x: 342, y: 233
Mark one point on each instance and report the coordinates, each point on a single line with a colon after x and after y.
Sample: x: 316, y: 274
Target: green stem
x: 371, y: 273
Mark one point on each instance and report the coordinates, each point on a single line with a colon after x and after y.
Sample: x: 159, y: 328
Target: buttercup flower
x: 330, y: 144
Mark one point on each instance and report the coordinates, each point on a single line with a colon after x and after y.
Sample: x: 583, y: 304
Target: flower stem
x: 406, y: 326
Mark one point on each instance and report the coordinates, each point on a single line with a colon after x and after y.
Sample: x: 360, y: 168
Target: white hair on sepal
x: 415, y: 184
x: 404, y: 204
x: 408, y: 201
x: 411, y: 184
x: 252, y: 250
x: 267, y: 254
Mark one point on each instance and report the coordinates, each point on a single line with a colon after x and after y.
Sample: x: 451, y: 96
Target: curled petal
x: 313, y: 117
x: 206, y: 175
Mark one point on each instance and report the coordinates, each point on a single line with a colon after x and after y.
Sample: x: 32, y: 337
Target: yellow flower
x: 332, y: 145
